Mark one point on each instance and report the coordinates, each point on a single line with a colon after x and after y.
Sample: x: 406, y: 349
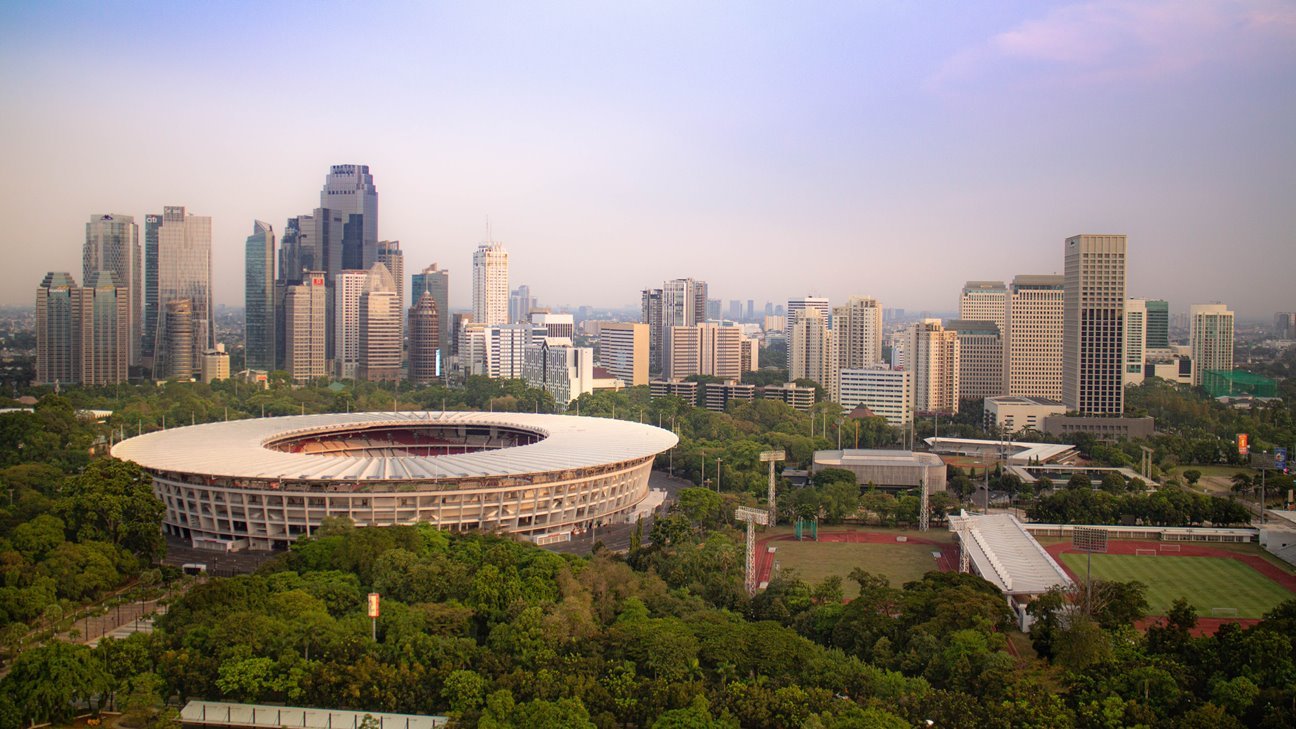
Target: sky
x: 889, y: 149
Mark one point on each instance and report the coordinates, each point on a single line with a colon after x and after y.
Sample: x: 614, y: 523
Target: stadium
x: 260, y: 484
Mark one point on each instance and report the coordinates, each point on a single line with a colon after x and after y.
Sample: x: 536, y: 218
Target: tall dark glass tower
x: 258, y: 298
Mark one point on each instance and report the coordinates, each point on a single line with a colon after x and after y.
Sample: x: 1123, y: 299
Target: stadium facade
x: 260, y: 484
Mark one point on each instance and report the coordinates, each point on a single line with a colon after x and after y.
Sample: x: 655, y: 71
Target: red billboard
x: 1243, y: 448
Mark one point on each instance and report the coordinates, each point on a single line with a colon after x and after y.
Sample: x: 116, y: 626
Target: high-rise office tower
x: 751, y: 310
x: 553, y: 325
x: 389, y: 255
x: 1284, y: 325
x: 305, y: 323
x: 684, y: 302
x: 105, y: 331
x: 1158, y: 324
x: 858, y: 326
x: 175, y: 359
x: 183, y: 272
x: 623, y: 351
x: 380, y: 327
x: 651, y: 314
x: 932, y: 354
x: 58, y: 330
x: 112, y: 244
x: 425, y: 340
x: 1033, y: 337
x: 980, y: 358
x: 436, y: 281
x: 298, y: 249
x: 1136, y: 319
x: 812, y: 349
x: 348, y: 287
x: 703, y: 349
x: 1093, y: 337
x: 984, y: 301
x: 796, y: 306
x: 352, y: 200
x: 259, y: 298
x: 735, y: 310
x: 148, y: 334
x: 490, y: 284
x: 1210, y: 337
x: 520, y: 304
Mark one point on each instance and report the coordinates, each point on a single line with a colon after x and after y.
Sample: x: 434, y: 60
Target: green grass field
x: 1207, y: 582
x: 813, y: 561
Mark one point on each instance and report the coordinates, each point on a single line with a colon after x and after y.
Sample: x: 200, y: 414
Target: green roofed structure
x: 1238, y: 383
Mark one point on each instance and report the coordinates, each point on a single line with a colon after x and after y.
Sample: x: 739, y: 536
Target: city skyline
x: 825, y: 133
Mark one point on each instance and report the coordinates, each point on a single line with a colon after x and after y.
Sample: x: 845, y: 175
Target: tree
x: 47, y: 682
x: 1192, y: 476
x: 113, y: 501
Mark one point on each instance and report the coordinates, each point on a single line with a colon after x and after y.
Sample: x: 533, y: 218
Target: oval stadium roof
x: 236, y: 448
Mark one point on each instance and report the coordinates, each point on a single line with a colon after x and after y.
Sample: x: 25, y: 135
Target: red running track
x: 1205, y: 625
x: 948, y: 561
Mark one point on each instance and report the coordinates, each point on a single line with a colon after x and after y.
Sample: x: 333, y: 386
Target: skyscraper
x: 112, y: 244
x: 796, y: 306
x: 436, y: 281
x: 651, y: 314
x: 812, y: 349
x: 259, y: 298
x: 623, y: 351
x: 703, y: 349
x: 1136, y: 316
x: 351, y: 198
x: 58, y: 330
x: 380, y: 327
x: 183, y: 272
x: 348, y: 287
x: 1158, y: 324
x: 305, y: 327
x: 520, y: 304
x: 1210, y: 337
x: 984, y: 301
x: 981, y: 358
x: 148, y: 334
x: 105, y: 331
x: 425, y: 340
x: 858, y: 326
x: 490, y: 284
x: 932, y: 354
x: 1033, y: 337
x: 1093, y: 319
x: 176, y: 359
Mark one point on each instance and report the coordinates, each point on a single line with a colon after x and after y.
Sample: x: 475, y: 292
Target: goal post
x: 1224, y: 612
x: 1170, y: 548
x: 1145, y: 552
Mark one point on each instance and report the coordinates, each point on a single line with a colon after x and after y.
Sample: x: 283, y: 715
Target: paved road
x: 220, y: 564
x: 616, y: 537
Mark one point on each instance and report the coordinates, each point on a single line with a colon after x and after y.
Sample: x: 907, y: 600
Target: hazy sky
x: 892, y: 149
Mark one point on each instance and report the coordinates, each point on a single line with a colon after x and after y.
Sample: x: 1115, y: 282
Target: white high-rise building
x: 858, y: 326
x: 505, y: 349
x: 703, y: 349
x: 812, y: 349
x: 306, y: 327
x: 555, y: 366
x: 112, y: 244
x: 1136, y: 316
x: 1210, y: 338
x: 490, y: 284
x: 1093, y: 335
x: 1033, y: 337
x: 932, y: 353
x: 348, y: 286
x: 885, y: 391
x: 380, y: 327
x: 798, y: 305
x: 984, y: 301
x: 183, y: 272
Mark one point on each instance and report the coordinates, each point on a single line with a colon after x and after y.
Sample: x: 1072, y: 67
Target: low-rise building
x: 1012, y: 414
x: 799, y: 397
x: 216, y: 364
x: 884, y: 391
x: 683, y: 389
x: 887, y: 469
x: 720, y: 394
x: 1101, y: 427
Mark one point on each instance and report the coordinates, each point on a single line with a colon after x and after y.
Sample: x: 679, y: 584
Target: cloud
x: 1123, y: 40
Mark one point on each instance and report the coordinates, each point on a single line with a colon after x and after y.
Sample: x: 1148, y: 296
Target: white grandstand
x: 998, y: 548
x: 261, y: 483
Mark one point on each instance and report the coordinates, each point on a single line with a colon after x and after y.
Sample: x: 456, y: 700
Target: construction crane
x: 752, y: 517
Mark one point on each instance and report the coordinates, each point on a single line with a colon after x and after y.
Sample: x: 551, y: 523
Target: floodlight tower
x: 770, y: 457
x: 752, y: 517
x: 924, y: 506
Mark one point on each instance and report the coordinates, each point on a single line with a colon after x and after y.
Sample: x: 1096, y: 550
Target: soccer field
x: 813, y: 561
x: 1207, y: 582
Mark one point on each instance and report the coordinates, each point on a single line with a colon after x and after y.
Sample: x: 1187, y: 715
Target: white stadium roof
x: 236, y: 448
x: 1004, y: 553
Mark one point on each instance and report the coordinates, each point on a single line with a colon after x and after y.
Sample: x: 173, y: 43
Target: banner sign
x: 373, y: 604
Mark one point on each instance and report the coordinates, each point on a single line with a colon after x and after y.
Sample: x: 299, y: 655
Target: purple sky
x: 887, y: 149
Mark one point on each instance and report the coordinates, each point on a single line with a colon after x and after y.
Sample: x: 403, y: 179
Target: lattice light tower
x: 752, y: 517
x: 770, y: 457
x: 924, y: 506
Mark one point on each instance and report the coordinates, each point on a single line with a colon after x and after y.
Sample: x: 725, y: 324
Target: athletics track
x: 948, y: 561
